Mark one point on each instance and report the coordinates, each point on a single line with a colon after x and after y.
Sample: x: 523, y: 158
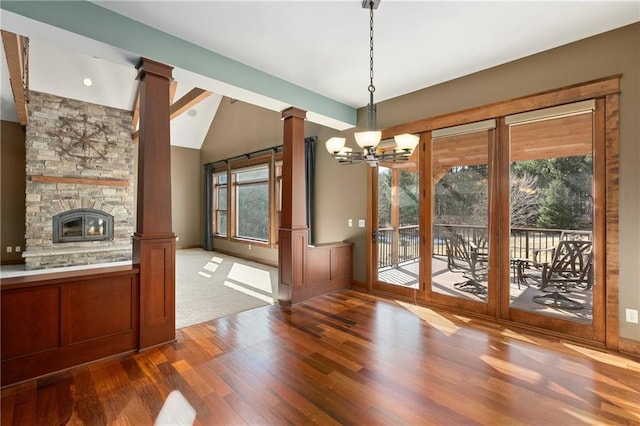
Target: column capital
x: 294, y: 112
x: 150, y: 66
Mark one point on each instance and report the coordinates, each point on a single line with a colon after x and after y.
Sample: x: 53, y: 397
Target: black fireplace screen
x: 82, y: 225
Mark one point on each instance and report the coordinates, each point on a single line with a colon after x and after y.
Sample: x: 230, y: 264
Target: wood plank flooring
x: 344, y: 358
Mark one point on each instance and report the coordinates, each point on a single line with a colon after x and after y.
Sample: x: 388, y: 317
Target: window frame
x: 215, y: 208
x: 273, y: 161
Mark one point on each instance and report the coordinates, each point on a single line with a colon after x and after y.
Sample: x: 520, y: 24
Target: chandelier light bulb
x: 335, y: 144
x: 406, y: 141
x: 368, y: 139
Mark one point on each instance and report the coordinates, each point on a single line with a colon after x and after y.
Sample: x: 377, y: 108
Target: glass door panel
x: 460, y: 241
x: 551, y: 217
x: 397, y: 237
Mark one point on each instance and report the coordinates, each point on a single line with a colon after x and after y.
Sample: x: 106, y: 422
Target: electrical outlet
x: 9, y: 249
x: 177, y: 238
x: 631, y: 315
x: 249, y: 246
x: 18, y: 249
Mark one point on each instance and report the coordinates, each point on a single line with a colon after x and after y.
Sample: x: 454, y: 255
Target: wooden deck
x: 344, y: 358
x: 444, y: 282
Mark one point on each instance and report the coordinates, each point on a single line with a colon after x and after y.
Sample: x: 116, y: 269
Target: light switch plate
x: 361, y: 223
x: 350, y: 223
x: 631, y: 315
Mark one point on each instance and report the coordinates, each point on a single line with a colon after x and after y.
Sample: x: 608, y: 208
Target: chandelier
x: 369, y: 141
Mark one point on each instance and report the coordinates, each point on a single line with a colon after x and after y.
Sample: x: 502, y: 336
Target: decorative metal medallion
x: 82, y: 140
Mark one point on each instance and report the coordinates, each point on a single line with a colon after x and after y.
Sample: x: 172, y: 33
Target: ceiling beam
x: 192, y: 98
x: 17, y: 54
x: 136, y: 110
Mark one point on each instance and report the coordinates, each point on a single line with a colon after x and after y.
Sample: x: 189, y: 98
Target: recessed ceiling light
x: 192, y: 113
x: 87, y: 82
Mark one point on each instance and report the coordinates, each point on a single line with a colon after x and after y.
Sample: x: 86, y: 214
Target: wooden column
x: 154, y: 243
x: 293, y: 235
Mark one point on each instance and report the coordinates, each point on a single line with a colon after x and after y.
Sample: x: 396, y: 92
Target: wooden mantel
x: 80, y: 181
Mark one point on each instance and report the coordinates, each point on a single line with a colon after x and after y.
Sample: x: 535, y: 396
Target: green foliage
x: 253, y: 211
x: 555, y: 209
x: 409, y: 204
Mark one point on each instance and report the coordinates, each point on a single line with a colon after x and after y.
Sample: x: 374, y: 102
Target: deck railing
x: 404, y: 245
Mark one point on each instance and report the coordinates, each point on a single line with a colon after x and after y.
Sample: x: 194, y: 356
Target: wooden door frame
x: 606, y: 93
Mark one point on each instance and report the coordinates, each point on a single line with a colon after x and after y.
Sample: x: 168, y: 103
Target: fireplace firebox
x: 82, y: 225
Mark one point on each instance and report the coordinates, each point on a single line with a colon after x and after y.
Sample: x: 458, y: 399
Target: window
x: 252, y: 202
x: 220, y: 203
x: 246, y: 198
x: 278, y: 198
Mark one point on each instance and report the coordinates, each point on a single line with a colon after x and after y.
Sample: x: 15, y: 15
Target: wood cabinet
x: 55, y: 321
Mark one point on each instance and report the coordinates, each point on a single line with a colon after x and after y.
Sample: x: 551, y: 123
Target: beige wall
x: 186, y: 196
x: 12, y: 191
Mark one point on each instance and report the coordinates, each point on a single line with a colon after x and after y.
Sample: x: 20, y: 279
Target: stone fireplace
x: 79, y: 191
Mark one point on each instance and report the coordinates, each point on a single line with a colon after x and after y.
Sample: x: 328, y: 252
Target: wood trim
x: 426, y: 232
x: 630, y: 347
x: 612, y: 233
x: 573, y: 93
x: 14, y: 45
x: 80, y: 181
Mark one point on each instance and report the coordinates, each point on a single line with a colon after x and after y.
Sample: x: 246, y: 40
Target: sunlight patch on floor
x: 204, y: 274
x: 585, y: 418
x: 252, y: 277
x: 248, y: 292
x: 437, y: 321
x: 212, y: 267
x: 509, y: 369
x: 517, y: 336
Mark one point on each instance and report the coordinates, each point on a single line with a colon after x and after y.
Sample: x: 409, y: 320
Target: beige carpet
x: 211, y: 285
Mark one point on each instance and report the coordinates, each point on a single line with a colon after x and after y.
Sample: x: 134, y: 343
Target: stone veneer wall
x: 44, y: 157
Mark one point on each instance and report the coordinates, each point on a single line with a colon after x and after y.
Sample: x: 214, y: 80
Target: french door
x: 396, y: 230
x: 511, y: 219
x: 552, y: 171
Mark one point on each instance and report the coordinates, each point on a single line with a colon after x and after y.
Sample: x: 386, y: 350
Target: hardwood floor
x: 344, y: 358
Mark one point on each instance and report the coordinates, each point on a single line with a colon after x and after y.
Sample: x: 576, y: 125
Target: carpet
x: 211, y: 285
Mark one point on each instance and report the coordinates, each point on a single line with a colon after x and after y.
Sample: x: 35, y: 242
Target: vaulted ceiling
x: 310, y: 54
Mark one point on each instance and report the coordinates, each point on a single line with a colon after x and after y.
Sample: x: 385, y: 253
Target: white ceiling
x: 323, y: 45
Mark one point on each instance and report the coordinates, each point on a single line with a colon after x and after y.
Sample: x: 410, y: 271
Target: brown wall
x: 615, y: 52
x: 12, y: 191
x: 186, y: 196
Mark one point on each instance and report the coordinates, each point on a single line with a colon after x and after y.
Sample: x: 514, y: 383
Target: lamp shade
x: 334, y: 144
x: 368, y: 139
x: 406, y: 141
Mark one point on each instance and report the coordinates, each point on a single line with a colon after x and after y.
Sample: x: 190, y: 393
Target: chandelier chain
x: 372, y: 88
